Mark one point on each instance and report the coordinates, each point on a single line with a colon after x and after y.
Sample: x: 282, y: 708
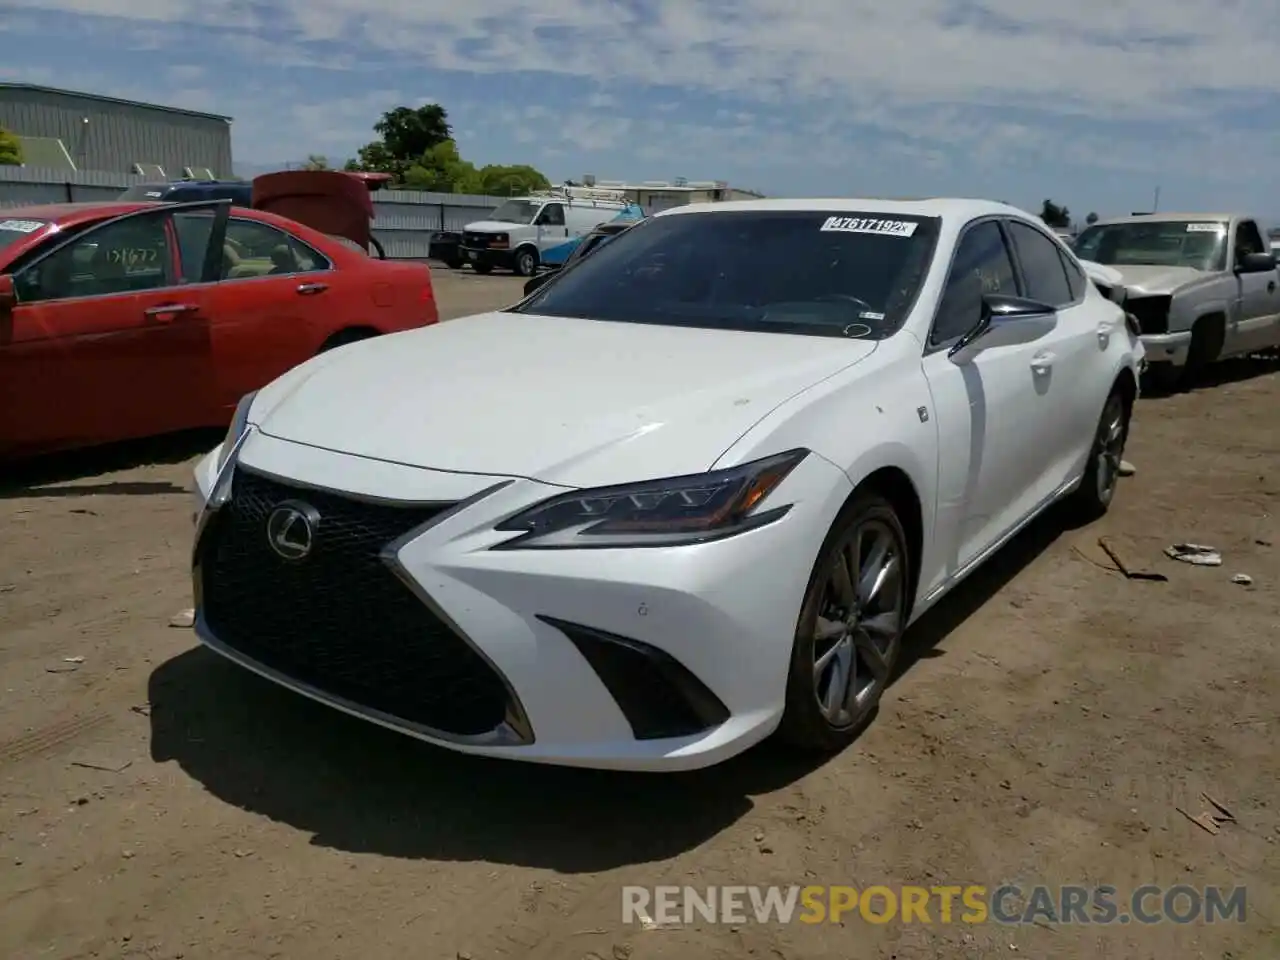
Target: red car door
x: 101, y: 344
x: 270, y: 309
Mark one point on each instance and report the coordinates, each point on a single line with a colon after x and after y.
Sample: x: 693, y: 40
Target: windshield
x: 11, y: 231
x: 515, y: 211
x: 1201, y: 244
x: 800, y: 272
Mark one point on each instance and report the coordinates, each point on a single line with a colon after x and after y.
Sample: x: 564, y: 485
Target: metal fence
x: 404, y: 221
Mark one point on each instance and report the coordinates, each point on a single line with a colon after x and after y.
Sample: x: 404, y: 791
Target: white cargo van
x: 526, y: 232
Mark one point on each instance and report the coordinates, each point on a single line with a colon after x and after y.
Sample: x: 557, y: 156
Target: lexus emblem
x: 291, y: 529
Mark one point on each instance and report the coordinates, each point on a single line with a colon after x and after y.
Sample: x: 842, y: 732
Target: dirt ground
x: 158, y: 802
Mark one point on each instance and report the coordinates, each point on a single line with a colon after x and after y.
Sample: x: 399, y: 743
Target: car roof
x: 66, y: 213
x: 1168, y: 218
x: 948, y: 208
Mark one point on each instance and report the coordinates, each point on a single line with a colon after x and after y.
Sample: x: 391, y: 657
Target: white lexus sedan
x: 688, y: 493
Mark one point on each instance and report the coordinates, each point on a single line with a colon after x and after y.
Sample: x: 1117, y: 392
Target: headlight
x: 657, y: 513
x: 239, y: 424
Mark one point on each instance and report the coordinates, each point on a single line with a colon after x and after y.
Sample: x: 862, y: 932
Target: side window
x: 552, y: 215
x: 982, y: 265
x: 127, y: 256
x: 1248, y: 239
x: 253, y: 249
x: 1041, y: 265
x: 1076, y: 279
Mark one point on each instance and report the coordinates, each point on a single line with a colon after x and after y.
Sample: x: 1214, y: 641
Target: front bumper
x: 1167, y: 347
x: 487, y: 257
x: 641, y: 659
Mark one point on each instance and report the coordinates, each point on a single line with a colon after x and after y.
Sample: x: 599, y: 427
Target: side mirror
x: 8, y: 300
x: 1005, y: 321
x: 535, y: 282
x: 1256, y: 263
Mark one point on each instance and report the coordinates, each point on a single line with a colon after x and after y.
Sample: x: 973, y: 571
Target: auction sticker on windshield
x: 888, y: 228
x: 21, y: 226
x: 1206, y: 227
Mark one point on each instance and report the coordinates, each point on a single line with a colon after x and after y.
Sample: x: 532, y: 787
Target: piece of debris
x: 1194, y: 553
x: 1128, y: 571
x: 183, y: 618
x: 1243, y: 579
x: 73, y: 659
x: 1210, y: 821
x: 63, y: 668
x: 1126, y: 469
x: 142, y: 708
x: 84, y: 512
x: 8, y: 587
x: 109, y: 765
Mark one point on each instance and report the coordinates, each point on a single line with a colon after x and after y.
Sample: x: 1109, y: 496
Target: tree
x: 10, y: 149
x: 416, y: 147
x: 316, y: 162
x: 405, y: 134
x: 1091, y: 219
x: 1055, y: 216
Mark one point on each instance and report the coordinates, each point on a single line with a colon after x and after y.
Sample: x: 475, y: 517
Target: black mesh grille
x: 339, y: 620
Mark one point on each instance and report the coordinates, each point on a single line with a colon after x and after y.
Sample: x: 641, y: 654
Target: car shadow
x: 922, y: 640
x: 357, y: 787
x: 1235, y: 370
x: 51, y: 475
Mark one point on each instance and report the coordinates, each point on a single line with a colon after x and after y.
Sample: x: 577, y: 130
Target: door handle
x: 167, y: 311
x: 310, y: 288
x: 1271, y: 287
x: 1042, y: 362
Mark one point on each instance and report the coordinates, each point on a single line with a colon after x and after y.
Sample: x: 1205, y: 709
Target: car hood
x: 1151, y: 279
x: 573, y: 402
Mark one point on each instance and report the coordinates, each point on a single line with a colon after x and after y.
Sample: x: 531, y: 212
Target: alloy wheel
x: 859, y: 623
x: 1112, y: 430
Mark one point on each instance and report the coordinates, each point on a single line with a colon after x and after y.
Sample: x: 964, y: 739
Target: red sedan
x: 124, y: 320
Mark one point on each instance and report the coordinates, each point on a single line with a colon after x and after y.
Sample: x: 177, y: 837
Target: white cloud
x: 928, y: 73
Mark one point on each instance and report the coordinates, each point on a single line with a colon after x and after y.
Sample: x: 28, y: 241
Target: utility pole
x: 1155, y: 206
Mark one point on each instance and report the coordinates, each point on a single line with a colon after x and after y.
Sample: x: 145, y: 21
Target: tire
x: 453, y: 263
x: 1102, y: 470
x: 865, y: 658
x: 484, y: 269
x: 343, y: 337
x: 1207, y: 337
x: 526, y: 262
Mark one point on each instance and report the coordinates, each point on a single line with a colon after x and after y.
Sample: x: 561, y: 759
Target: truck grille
x: 339, y: 620
x: 477, y: 240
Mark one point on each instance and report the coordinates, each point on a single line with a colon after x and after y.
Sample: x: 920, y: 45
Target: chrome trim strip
x: 515, y: 730
x: 361, y: 497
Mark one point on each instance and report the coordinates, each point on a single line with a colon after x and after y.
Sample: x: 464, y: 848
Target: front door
x: 1253, y: 326
x: 103, y: 344
x: 552, y: 230
x: 989, y: 410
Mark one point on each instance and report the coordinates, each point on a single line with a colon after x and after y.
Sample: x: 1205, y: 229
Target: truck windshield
x: 1199, y: 244
x: 780, y: 271
x: 515, y: 211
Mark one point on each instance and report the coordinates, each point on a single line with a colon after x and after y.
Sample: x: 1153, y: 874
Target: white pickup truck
x: 1202, y: 286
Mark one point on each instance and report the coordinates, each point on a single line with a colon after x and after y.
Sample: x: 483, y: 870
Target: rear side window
x: 1076, y: 279
x: 1042, y: 266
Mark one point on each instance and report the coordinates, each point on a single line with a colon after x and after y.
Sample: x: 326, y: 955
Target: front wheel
x: 1102, y: 471
x: 850, y: 630
x: 484, y: 269
x: 526, y: 262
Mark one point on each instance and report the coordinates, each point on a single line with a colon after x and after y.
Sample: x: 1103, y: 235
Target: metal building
x: 65, y: 129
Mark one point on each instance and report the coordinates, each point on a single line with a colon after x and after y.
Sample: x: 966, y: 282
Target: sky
x: 1093, y: 103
